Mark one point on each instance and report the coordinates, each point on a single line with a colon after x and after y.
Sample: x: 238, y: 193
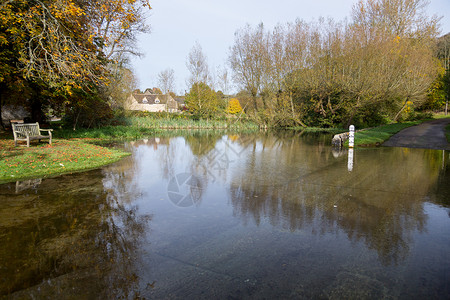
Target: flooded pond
x: 205, y: 216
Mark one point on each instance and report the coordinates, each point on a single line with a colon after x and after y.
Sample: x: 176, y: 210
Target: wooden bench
x: 28, y: 132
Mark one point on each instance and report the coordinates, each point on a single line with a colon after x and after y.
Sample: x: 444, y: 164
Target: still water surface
x: 231, y: 217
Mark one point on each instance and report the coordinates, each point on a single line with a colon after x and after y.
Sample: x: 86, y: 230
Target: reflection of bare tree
x: 296, y: 187
x: 202, y: 145
x: 70, y: 239
x: 161, y: 146
x: 443, y: 182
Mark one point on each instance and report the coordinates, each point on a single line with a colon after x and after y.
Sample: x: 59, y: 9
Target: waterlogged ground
x: 233, y: 216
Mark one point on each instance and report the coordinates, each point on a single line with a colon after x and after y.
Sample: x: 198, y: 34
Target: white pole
x: 350, y: 160
x: 351, y: 136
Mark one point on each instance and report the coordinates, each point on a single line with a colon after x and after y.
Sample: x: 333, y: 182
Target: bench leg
x: 28, y: 142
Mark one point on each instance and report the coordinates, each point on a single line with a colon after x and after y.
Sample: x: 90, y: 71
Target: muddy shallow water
x: 233, y: 216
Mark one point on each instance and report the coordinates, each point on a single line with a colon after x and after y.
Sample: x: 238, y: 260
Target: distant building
x: 181, y: 104
x: 151, y: 102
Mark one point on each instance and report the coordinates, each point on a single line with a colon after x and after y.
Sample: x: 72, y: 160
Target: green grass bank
x: 44, y: 160
x: 377, y: 135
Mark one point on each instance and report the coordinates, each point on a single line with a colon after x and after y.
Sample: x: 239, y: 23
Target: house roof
x: 180, y: 100
x: 151, y: 98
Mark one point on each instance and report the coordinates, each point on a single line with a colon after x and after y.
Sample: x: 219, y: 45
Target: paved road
x: 428, y: 135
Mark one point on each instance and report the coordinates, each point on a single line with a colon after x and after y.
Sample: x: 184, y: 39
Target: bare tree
x: 197, y: 65
x: 248, y: 59
x: 390, y: 49
x: 224, y: 80
x: 166, y: 80
x: 289, y: 47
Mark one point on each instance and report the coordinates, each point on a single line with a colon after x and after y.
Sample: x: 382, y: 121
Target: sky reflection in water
x: 241, y: 216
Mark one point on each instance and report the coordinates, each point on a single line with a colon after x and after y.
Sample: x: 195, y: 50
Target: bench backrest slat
x: 32, y: 129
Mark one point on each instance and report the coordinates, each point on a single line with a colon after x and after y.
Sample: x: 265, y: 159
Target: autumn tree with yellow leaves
x: 66, y: 49
x: 234, y: 106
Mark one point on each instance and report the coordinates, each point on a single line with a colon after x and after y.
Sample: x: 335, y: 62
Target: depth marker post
x: 351, y: 143
x: 351, y: 136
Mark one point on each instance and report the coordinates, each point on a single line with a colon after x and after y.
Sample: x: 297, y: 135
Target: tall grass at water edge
x: 138, y: 127
x: 187, y: 123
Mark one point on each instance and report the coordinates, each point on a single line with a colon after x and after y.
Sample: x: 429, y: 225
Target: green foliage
x: 86, y: 109
x: 437, y: 92
x: 417, y: 116
x: 202, y: 101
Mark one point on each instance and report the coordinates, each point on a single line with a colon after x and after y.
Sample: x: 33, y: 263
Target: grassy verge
x: 377, y: 135
x: 106, y: 133
x: 44, y: 160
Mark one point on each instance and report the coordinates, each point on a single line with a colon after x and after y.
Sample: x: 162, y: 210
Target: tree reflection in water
x: 376, y: 202
x: 69, y: 238
x: 295, y: 181
x: 79, y: 236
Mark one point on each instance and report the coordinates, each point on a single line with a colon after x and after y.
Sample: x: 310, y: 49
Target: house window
x: 157, y: 101
x: 144, y: 100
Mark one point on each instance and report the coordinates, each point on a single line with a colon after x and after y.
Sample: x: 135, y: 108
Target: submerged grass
x: 43, y: 160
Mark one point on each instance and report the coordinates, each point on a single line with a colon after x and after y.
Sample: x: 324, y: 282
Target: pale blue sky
x: 178, y: 24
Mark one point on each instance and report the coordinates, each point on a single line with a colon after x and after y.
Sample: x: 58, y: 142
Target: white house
x: 151, y: 102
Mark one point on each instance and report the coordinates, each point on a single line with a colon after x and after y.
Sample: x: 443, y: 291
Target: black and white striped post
x: 351, y: 144
x: 351, y: 136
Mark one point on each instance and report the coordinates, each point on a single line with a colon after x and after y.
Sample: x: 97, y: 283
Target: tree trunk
x: 292, y: 104
x: 75, y: 122
x: 255, y: 104
x: 1, y: 104
x: 329, y: 106
x: 400, y: 111
x: 446, y: 105
x: 355, y: 108
x: 37, y: 114
x: 36, y: 110
x: 351, y: 118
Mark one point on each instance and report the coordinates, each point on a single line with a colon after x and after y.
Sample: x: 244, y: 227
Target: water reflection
x: 27, y: 184
x: 293, y: 183
x: 213, y: 215
x: 380, y: 201
x: 68, y: 237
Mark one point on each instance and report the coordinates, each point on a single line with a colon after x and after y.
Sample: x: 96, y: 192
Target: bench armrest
x: 46, y: 130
